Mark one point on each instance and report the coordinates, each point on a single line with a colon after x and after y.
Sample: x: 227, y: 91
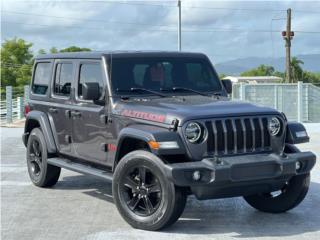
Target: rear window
x: 42, y: 76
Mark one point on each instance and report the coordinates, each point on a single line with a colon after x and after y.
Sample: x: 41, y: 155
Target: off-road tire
x: 40, y: 172
x: 291, y: 196
x: 171, y: 201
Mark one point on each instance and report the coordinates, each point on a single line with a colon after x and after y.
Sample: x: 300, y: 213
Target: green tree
x: 262, y: 70
x: 42, y: 51
x: 75, y: 49
x: 296, y: 69
x: 53, y: 50
x: 16, y: 62
x: 222, y: 75
x: 311, y: 77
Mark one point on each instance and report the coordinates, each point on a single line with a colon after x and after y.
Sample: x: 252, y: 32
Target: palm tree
x: 296, y: 69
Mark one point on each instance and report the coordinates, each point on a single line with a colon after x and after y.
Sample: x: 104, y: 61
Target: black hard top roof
x: 99, y: 54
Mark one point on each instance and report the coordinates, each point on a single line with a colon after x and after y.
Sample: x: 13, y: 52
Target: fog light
x: 298, y: 165
x: 196, y: 175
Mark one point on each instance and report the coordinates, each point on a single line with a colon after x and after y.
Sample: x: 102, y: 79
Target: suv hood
x: 165, y: 110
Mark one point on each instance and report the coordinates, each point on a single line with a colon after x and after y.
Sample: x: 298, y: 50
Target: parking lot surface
x: 81, y: 207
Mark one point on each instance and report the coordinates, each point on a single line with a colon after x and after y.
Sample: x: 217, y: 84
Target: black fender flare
x: 44, y: 123
x: 148, y: 133
x: 290, y: 148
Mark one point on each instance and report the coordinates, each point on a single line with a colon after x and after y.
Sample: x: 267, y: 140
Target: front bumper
x: 240, y: 175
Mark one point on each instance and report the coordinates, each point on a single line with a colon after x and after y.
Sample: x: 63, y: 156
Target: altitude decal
x: 144, y: 115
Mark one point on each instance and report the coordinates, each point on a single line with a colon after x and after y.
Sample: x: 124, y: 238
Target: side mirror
x: 227, y: 85
x: 90, y: 91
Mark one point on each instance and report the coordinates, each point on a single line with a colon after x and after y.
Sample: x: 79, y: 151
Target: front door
x: 90, y: 130
x: 61, y: 102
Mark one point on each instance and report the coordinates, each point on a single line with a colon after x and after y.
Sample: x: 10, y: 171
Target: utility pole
x: 287, y: 36
x: 179, y: 25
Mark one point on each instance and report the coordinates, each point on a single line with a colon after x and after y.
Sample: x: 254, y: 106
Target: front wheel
x: 283, y: 200
x: 144, y: 196
x: 41, y: 173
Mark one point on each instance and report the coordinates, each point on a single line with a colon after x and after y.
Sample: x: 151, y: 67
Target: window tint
x: 90, y: 72
x: 161, y: 72
x: 199, y: 75
x: 63, y: 79
x: 42, y: 78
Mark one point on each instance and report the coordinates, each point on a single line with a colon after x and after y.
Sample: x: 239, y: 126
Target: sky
x: 224, y: 30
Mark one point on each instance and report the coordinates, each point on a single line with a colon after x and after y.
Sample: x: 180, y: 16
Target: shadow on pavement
x: 91, y: 186
x: 222, y: 216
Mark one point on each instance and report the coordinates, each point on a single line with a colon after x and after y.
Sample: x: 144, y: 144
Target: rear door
x: 61, y: 102
x: 90, y: 131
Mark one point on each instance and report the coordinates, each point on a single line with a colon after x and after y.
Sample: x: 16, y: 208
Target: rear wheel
x: 142, y: 193
x: 41, y: 173
x: 283, y: 200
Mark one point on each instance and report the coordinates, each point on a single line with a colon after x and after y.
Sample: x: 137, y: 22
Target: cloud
x: 112, y: 26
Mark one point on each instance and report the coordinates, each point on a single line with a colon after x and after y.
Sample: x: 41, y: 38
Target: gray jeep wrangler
x: 160, y: 127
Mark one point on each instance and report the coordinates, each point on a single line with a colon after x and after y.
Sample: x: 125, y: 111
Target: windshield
x: 163, y: 74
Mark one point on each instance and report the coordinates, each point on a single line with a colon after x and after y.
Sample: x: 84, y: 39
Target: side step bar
x: 80, y: 168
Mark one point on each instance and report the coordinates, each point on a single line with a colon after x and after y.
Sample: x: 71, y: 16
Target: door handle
x: 68, y: 113
x: 53, y: 110
x: 76, y: 113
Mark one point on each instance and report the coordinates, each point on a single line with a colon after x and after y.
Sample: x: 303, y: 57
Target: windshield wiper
x: 141, y: 89
x: 190, y: 90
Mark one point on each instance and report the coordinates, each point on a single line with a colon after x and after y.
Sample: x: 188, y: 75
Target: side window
x: 63, y: 79
x: 42, y: 76
x: 90, y: 72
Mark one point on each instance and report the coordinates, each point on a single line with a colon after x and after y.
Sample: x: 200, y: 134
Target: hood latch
x: 174, y: 124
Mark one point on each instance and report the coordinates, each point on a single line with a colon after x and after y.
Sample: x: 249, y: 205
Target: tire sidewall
x: 36, y: 134
x: 294, y: 195
x: 165, y: 210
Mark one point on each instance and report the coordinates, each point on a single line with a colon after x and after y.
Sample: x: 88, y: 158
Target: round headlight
x: 274, y: 126
x: 193, y: 132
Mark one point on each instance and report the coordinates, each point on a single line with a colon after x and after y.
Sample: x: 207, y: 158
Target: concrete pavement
x: 81, y: 207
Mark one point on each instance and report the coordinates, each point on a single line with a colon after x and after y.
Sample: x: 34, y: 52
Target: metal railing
x: 299, y: 101
x: 12, y: 103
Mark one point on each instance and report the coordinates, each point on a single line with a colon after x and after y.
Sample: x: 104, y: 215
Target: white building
x: 255, y: 80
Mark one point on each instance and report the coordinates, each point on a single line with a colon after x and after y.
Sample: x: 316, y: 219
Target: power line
x: 160, y: 4
x: 84, y: 19
x: 208, y: 30
x: 234, y: 9
x: 310, y: 32
x: 107, y: 2
x: 306, y: 11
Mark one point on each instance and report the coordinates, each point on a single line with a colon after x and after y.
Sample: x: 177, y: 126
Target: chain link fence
x: 300, y: 101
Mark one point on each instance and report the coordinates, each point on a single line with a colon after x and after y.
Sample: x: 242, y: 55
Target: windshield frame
x: 200, y: 57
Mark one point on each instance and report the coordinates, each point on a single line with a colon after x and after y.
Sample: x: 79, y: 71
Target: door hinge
x: 67, y: 138
x: 105, y: 119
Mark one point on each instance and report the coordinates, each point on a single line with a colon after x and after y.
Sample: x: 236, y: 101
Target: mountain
x: 237, y: 66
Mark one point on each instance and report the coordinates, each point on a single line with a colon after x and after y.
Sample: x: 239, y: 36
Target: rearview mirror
x: 227, y: 85
x: 90, y: 91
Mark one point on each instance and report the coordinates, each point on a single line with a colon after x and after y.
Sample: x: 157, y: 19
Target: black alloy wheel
x: 41, y: 173
x: 143, y: 194
x: 141, y: 191
x: 35, y: 158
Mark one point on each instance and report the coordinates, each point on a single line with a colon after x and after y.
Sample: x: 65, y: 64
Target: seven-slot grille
x: 238, y: 135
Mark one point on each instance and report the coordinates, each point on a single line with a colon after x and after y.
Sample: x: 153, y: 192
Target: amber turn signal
x: 154, y: 144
